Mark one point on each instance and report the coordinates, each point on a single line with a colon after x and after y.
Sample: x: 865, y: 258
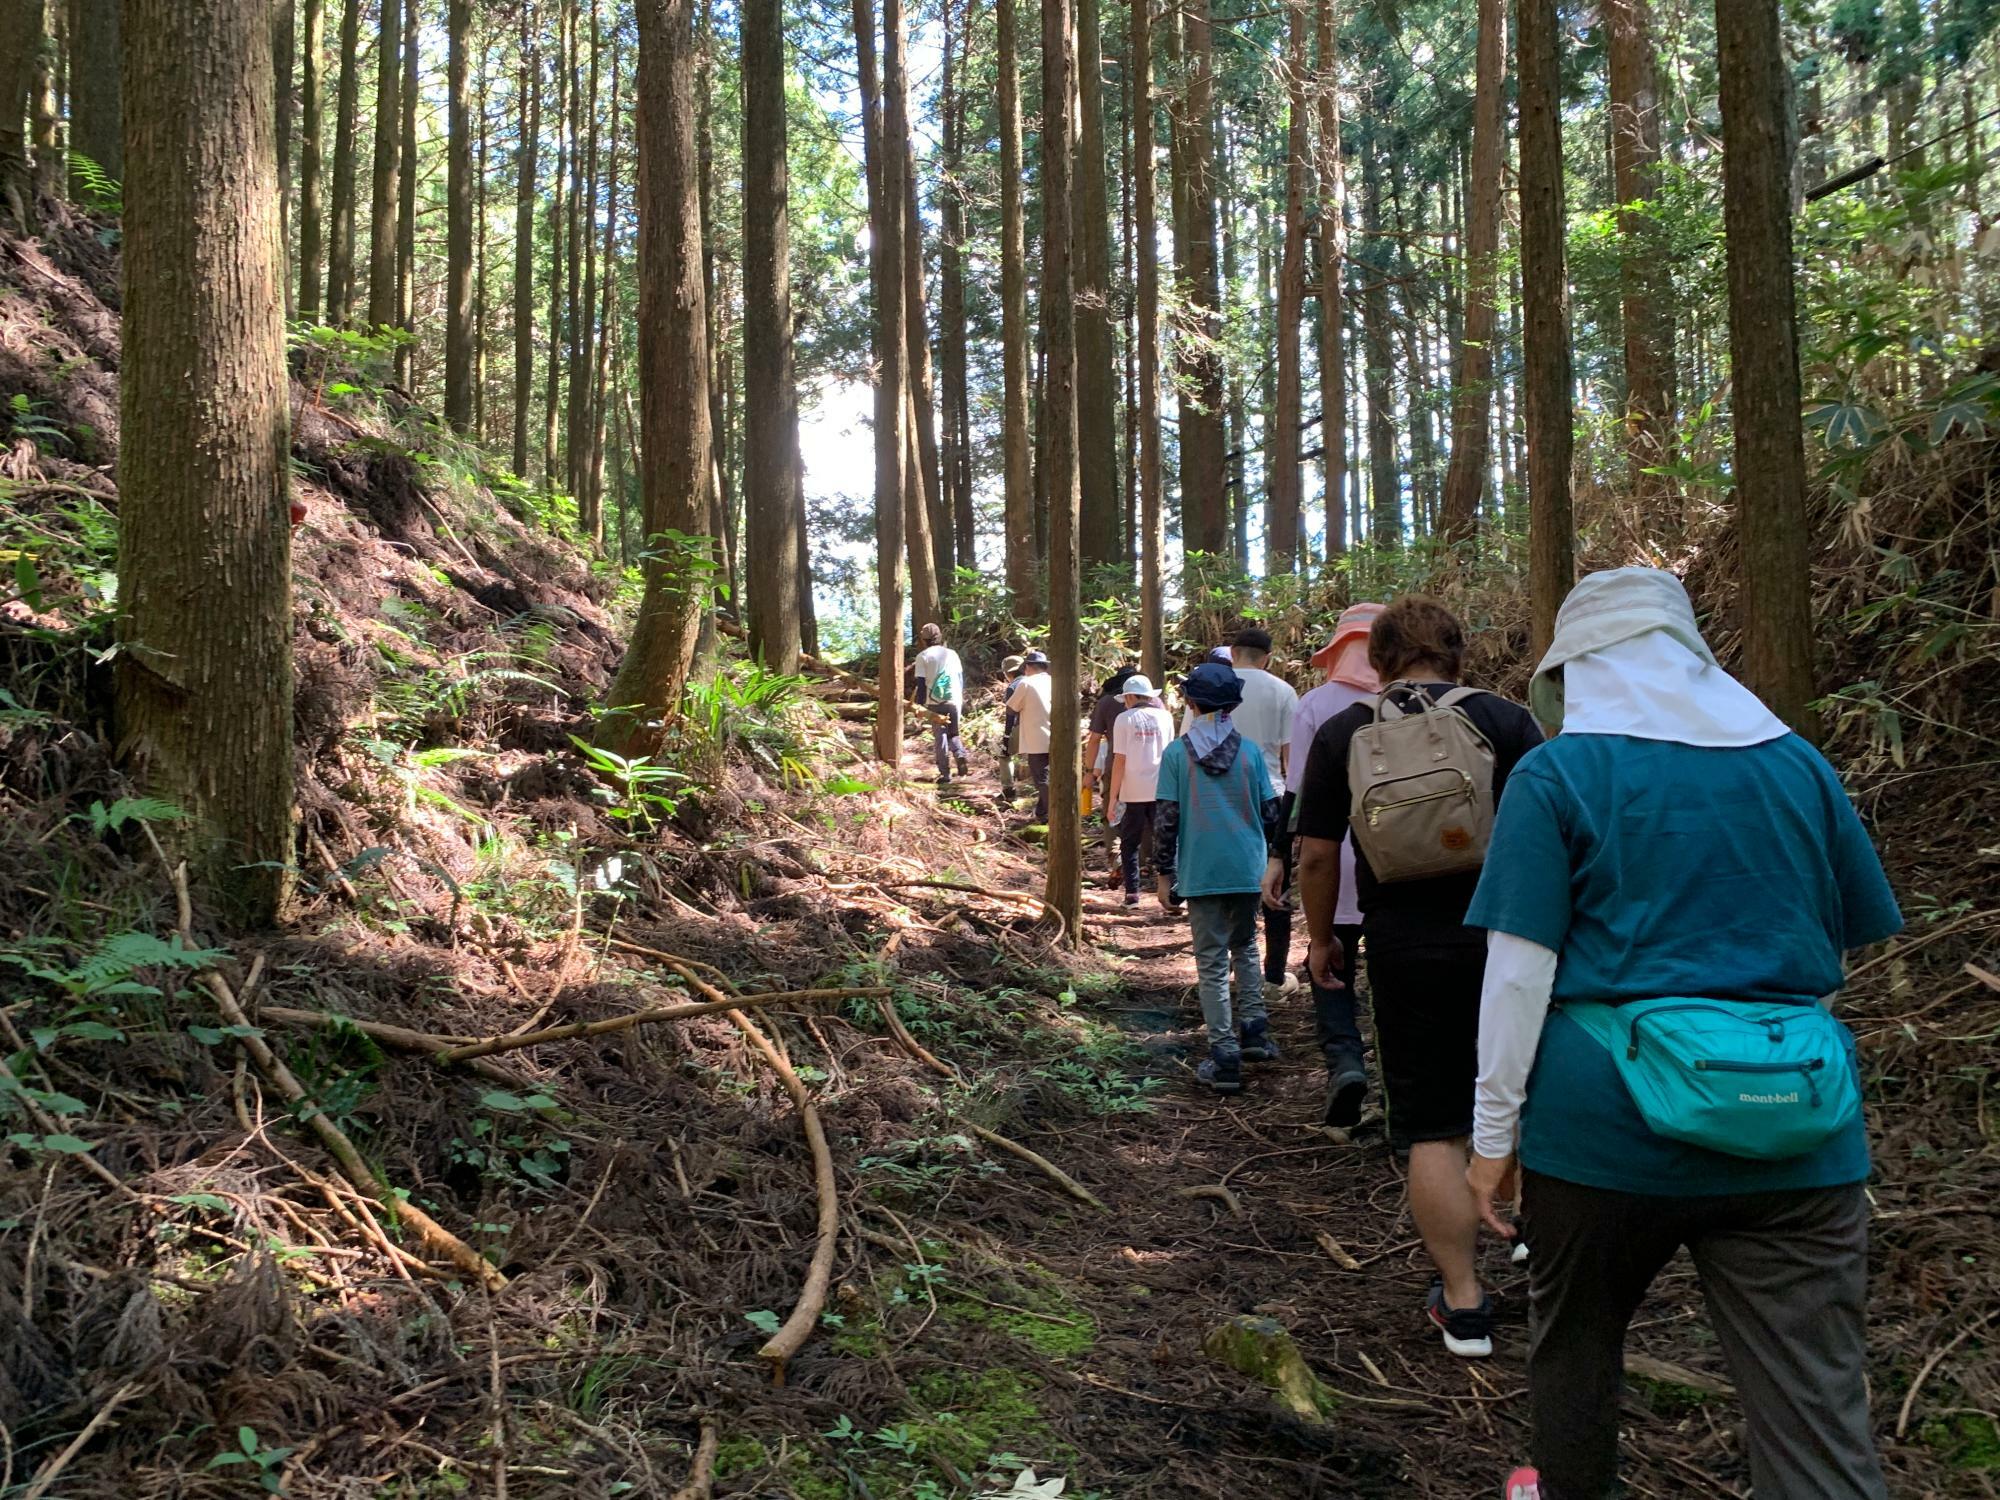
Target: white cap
x: 1137, y: 686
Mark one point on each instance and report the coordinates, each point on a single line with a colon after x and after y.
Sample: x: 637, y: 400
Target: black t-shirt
x: 1104, y: 714
x: 1409, y: 915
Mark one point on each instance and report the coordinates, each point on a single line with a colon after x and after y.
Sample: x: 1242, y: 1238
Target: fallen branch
x: 1216, y: 1191
x: 1338, y: 1255
x: 916, y: 1049
x: 381, y: 1031
x: 1053, y: 1172
x: 52, y: 1470
x: 573, y: 1029
x: 427, y: 1229
x: 1904, y: 950
x: 701, y: 1478
x: 1666, y: 1372
x: 1937, y: 1358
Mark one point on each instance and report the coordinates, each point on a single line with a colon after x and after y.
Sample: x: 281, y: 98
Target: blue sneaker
x: 1259, y: 1046
x: 1222, y: 1069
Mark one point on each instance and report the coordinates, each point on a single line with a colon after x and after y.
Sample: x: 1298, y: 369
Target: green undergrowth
x: 1967, y: 1440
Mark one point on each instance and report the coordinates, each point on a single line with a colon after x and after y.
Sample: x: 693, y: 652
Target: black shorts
x: 1426, y: 1008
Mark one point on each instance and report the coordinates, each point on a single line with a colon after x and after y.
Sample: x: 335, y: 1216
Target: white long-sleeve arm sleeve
x: 1515, y: 1001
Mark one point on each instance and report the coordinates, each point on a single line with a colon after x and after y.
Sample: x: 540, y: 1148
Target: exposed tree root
x: 1217, y: 1193
x: 701, y: 1478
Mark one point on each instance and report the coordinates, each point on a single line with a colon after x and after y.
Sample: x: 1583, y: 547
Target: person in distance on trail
x: 1682, y: 875
x: 940, y: 690
x: 1349, y: 680
x: 1266, y: 716
x: 1032, y: 700
x: 1139, y: 739
x: 1010, y: 726
x: 1216, y: 819
x: 1103, y: 714
x: 1416, y: 773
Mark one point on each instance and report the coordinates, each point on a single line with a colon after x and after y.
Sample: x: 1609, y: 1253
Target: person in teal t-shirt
x: 1216, y: 822
x: 1675, y: 841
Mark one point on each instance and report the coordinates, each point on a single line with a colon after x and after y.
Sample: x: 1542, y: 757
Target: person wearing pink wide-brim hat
x: 1349, y: 680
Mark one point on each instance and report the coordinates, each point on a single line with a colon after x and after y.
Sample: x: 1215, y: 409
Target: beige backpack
x: 1422, y: 784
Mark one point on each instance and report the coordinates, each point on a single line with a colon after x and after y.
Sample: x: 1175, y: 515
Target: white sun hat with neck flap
x: 1629, y: 659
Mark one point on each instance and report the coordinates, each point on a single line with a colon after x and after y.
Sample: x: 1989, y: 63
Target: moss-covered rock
x: 1261, y: 1349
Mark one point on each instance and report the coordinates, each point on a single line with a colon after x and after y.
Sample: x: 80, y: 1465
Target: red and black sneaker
x: 1468, y: 1331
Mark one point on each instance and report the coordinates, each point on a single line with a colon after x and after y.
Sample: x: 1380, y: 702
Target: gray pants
x: 1225, y: 939
x: 1785, y: 1279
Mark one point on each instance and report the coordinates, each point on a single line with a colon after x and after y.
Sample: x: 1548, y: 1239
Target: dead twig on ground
x: 52, y: 1470
x: 1048, y: 1168
x: 574, y: 1029
x: 1335, y: 1252
x: 1218, y: 1193
x: 1937, y: 1358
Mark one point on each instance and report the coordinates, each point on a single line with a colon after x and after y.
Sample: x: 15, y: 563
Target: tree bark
x: 284, y: 42
x: 583, y: 285
x: 385, y: 191
x: 1332, y: 281
x: 558, y: 331
x: 1385, y: 490
x: 1642, y: 265
x: 406, y: 198
x: 312, y: 185
x: 458, y: 338
x: 340, y: 229
x: 1472, y: 381
x: 1016, y: 455
x: 20, y: 40
x: 482, y: 177
x: 885, y: 125
x: 607, y: 319
x: 528, y: 120
x: 956, y: 392
x: 1145, y: 213
x: 1771, y: 514
x: 204, y: 671
x: 1205, y: 523
x: 930, y: 526
x: 1064, y: 891
x: 96, y: 129
x: 675, y: 454
x: 1283, y: 531
x: 770, y: 395
x: 1096, y: 344
x: 1545, y: 325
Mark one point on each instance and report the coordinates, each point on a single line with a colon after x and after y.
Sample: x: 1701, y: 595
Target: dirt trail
x: 1151, y: 1414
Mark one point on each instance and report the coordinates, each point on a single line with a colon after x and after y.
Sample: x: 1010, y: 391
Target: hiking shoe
x: 964, y: 767
x: 1281, y: 989
x: 1259, y: 1046
x: 1131, y: 898
x: 1347, y: 1087
x: 1222, y: 1069
x: 944, y: 781
x: 1524, y: 1484
x: 1468, y: 1331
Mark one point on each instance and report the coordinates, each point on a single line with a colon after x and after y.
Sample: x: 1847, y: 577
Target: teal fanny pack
x: 1767, y: 1082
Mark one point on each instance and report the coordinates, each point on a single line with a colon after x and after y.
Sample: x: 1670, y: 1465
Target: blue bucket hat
x: 1212, y: 687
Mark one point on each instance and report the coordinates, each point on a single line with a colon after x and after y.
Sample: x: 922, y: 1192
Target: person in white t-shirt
x: 940, y: 690
x: 1139, y: 738
x: 1033, y: 699
x: 1264, y: 717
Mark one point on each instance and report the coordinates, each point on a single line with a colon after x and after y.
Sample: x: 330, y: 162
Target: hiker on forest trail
x: 1032, y: 699
x: 1270, y: 705
x: 1216, y: 821
x: 1682, y: 876
x: 1010, y: 726
x: 1097, y: 750
x: 1416, y: 773
x: 940, y: 691
x: 1349, y: 680
x: 1139, y: 739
